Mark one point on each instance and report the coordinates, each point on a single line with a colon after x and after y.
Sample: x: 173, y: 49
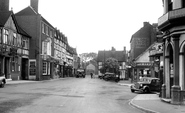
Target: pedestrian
x: 91, y: 75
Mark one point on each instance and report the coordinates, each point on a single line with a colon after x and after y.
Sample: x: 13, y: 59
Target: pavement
x: 152, y: 103
x: 149, y: 103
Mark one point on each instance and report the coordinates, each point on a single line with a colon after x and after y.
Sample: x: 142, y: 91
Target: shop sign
x: 144, y: 64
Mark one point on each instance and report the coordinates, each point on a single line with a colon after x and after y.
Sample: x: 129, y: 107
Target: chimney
x: 124, y: 49
x: 4, y: 5
x: 146, y: 24
x: 34, y: 4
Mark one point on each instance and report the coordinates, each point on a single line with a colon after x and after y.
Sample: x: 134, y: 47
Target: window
x: 44, y: 68
x: 48, y: 68
x: 19, y: 40
x: 51, y: 33
x: 44, y: 47
x: 43, y: 30
x: 25, y: 44
x: 5, y: 38
x: 14, y: 39
x: 46, y: 30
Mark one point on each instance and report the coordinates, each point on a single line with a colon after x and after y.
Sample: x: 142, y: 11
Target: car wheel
x: 146, y: 90
x: 2, y: 84
x: 132, y: 91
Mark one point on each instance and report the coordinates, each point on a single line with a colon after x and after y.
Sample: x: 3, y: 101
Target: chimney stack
x: 4, y: 5
x: 34, y: 4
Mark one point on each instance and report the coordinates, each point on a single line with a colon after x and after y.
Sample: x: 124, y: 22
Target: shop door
x: 24, y: 71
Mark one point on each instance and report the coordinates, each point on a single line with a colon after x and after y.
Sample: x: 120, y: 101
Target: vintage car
x: 80, y: 73
x: 2, y: 80
x: 146, y: 85
x: 111, y: 77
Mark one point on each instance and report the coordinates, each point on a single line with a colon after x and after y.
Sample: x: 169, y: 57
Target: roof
x: 5, y: 15
x: 27, y: 11
x: 144, y: 31
x: 119, y: 55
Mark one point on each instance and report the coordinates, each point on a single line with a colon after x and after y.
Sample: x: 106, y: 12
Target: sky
x: 96, y: 25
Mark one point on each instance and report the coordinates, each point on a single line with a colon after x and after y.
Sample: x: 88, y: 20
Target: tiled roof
x: 103, y: 55
x: 26, y: 11
x: 4, y: 17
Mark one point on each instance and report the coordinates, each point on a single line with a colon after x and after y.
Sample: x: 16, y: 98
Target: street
x: 69, y: 95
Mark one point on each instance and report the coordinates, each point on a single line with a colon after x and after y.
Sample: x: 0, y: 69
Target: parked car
x: 146, y: 85
x: 111, y: 77
x: 80, y: 73
x: 2, y: 80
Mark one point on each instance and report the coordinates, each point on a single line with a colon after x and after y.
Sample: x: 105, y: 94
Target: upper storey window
x: 5, y: 38
x: 43, y: 30
x: 47, y: 30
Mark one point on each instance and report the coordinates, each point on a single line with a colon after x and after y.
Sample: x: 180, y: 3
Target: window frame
x: 44, y: 68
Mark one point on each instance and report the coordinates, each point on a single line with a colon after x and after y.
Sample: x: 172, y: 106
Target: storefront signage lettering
x: 144, y: 64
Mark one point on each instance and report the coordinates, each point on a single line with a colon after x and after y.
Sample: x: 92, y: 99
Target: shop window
x: 44, y: 68
x: 14, y: 64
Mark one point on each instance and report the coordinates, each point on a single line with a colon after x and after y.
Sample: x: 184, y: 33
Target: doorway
x: 24, y: 72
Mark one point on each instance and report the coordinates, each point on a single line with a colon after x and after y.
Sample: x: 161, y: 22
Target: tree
x: 85, y: 57
x: 111, y: 65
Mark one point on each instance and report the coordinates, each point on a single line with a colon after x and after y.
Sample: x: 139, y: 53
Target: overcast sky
x: 93, y: 25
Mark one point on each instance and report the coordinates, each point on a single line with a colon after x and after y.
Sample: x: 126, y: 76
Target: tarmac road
x: 70, y: 95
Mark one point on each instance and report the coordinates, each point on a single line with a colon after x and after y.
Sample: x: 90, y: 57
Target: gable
x: 90, y: 66
x: 10, y: 24
x: 144, y: 57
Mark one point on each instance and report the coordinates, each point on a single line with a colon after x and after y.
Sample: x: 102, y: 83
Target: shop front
x: 142, y: 69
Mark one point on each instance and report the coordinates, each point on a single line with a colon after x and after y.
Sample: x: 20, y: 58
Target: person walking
x: 91, y: 75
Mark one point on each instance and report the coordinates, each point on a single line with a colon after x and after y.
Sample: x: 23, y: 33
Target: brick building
x: 14, y: 45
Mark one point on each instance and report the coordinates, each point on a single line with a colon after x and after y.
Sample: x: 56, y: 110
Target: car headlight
x: 141, y: 85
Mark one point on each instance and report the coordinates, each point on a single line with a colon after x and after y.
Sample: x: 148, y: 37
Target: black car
x: 111, y: 77
x: 146, y: 85
x: 80, y: 73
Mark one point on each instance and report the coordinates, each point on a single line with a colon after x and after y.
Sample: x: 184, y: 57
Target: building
x: 42, y: 61
x: 142, y: 39
x: 172, y: 24
x: 119, y: 55
x: 14, y: 45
